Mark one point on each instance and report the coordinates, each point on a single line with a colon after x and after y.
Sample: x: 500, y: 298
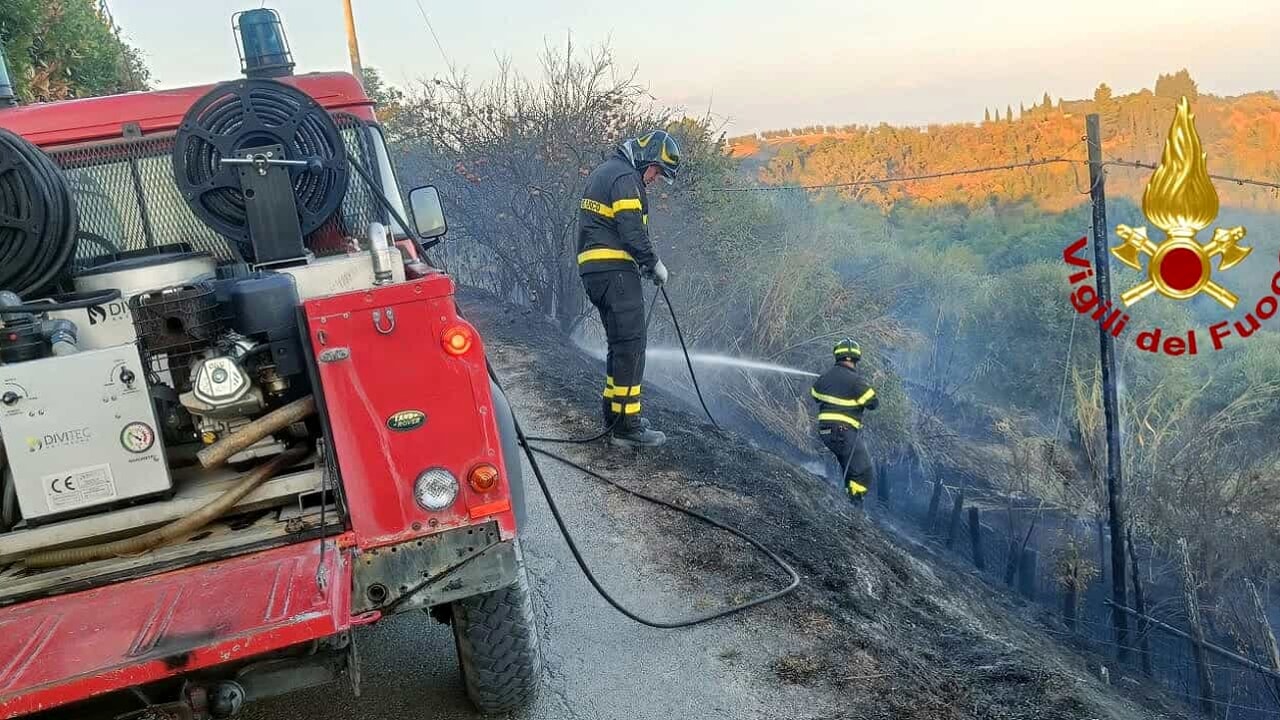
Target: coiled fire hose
x: 218, y: 453
x: 39, y: 235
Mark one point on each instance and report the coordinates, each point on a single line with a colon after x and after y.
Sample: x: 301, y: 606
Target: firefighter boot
x: 631, y: 431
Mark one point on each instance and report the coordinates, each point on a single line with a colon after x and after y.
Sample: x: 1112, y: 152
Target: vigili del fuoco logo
x: 1180, y: 201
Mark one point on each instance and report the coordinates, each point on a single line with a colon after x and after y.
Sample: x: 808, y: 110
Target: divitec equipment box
x: 80, y: 432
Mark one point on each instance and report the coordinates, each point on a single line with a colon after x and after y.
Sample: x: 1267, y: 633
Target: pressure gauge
x: 137, y: 437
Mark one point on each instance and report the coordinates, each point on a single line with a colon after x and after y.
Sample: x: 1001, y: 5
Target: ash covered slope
x: 885, y: 633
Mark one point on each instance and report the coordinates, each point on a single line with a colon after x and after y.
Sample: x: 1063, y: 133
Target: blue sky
x: 763, y: 65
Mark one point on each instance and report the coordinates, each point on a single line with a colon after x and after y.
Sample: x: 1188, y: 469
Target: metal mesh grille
x: 127, y: 199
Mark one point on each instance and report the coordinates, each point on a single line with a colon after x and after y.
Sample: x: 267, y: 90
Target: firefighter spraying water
x: 614, y: 251
x: 842, y: 395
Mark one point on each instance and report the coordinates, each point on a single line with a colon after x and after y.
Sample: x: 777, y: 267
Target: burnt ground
x: 882, y: 627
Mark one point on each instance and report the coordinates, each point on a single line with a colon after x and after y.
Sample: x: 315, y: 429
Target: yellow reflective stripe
x: 842, y: 402
x: 608, y: 386
x: 597, y: 208
x: 615, y: 407
x: 626, y: 204
x: 856, y: 489
x: 645, y: 218
x: 630, y: 408
x: 624, y: 391
x: 604, y: 254
x: 866, y: 396
x: 840, y: 417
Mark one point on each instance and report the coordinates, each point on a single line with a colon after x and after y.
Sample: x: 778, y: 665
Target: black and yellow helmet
x: 655, y: 148
x: 847, y: 349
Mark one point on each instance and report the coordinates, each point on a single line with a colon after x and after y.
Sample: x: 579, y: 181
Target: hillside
x: 880, y: 628
x: 1240, y: 134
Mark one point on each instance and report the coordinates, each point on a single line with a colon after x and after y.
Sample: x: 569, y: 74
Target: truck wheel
x: 498, y: 647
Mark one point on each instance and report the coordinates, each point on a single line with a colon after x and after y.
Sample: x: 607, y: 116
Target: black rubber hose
x: 529, y: 451
x: 692, y: 375
x: 381, y: 197
x: 37, y: 218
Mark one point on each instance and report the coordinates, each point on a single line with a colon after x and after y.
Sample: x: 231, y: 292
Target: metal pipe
x: 378, y: 249
x: 276, y: 420
x: 62, y: 335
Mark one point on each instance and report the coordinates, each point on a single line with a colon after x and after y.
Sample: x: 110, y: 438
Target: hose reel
x: 37, y: 218
x: 243, y: 131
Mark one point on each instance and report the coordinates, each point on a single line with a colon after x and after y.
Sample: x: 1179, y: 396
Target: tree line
x: 61, y: 49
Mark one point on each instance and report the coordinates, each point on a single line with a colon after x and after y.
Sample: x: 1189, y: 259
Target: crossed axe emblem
x: 1179, y: 267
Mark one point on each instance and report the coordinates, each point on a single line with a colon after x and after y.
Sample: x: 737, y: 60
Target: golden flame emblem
x: 1181, y: 201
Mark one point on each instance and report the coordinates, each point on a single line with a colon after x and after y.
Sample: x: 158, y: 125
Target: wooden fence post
x: 1028, y: 566
x: 1204, y: 674
x: 1140, y: 604
x: 956, y: 509
x: 931, y: 518
x: 1269, y: 635
x: 1011, y: 562
x: 975, y: 537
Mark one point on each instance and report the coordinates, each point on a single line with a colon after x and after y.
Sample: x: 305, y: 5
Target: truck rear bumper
x: 68, y: 648
x: 434, y: 570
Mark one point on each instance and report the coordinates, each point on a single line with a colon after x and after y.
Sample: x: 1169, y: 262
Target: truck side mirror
x: 428, y: 213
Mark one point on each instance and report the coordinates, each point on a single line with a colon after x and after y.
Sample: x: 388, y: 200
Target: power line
x: 901, y: 179
x: 976, y: 171
x: 432, y: 30
x: 1226, y: 178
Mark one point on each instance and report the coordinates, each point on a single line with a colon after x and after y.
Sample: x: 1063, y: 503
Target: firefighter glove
x: 659, y: 274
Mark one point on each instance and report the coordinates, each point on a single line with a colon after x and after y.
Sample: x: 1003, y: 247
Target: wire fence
x: 1241, y: 691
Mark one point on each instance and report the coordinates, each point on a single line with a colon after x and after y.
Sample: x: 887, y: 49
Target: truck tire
x: 498, y: 646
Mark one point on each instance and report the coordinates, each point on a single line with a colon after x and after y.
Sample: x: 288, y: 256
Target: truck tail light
x: 457, y: 340
x: 483, y: 478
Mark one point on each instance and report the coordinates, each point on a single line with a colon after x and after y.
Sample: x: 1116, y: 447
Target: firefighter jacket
x: 612, y: 220
x: 842, y: 395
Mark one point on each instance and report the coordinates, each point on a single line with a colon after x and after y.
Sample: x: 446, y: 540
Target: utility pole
x: 353, y: 45
x: 1115, y: 479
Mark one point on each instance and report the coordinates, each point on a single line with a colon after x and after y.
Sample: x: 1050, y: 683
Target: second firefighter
x: 842, y: 395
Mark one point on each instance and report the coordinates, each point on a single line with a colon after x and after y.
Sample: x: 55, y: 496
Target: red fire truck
x: 241, y: 414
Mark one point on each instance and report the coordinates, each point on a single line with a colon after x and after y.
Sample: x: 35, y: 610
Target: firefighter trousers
x: 619, y: 297
x: 851, y: 453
